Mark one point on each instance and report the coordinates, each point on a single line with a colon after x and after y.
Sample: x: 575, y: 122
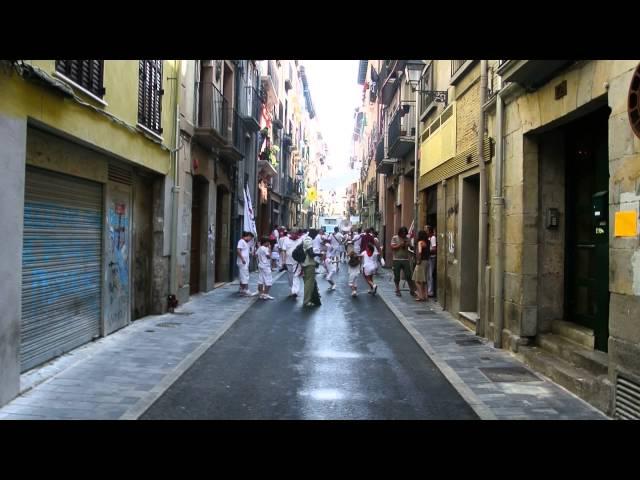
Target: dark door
x: 587, y: 281
x: 196, y: 220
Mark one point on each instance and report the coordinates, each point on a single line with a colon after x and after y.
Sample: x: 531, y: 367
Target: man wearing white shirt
x: 290, y: 243
x: 357, y: 238
x: 242, y: 253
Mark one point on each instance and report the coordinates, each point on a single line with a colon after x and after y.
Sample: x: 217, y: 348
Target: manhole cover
x: 464, y: 342
x: 150, y: 331
x: 168, y: 324
x: 509, y: 374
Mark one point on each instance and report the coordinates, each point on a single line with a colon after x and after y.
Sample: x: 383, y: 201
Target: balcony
x: 530, y: 74
x: 251, y: 110
x: 402, y: 130
x: 270, y: 85
x: 211, y: 128
x: 235, y: 134
x: 380, y: 150
x: 456, y: 65
x: 386, y: 166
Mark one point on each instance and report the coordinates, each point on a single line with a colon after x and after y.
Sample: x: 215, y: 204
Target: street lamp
x: 413, y: 72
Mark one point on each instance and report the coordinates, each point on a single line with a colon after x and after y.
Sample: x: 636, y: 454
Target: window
x: 85, y: 73
x: 150, y: 94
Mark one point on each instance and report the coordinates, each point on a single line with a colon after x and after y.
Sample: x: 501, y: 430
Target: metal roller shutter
x: 61, y: 265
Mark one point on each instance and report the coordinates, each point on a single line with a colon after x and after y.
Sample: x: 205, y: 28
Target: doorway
x: 470, y: 202
x: 222, y: 235
x: 587, y: 232
x: 197, y: 210
x: 431, y: 202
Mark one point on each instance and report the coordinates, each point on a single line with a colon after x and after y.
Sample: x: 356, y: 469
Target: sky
x: 335, y: 93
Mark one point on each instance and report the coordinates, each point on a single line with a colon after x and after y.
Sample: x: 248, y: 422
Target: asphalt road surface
x: 347, y: 359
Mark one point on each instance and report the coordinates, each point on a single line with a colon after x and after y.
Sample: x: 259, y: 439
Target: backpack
x: 299, y: 255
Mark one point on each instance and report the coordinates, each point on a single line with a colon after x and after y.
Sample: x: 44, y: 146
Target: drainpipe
x: 416, y: 172
x: 173, y: 264
x: 498, y: 201
x: 482, y: 230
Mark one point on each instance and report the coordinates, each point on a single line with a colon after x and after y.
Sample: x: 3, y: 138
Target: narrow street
x: 348, y: 359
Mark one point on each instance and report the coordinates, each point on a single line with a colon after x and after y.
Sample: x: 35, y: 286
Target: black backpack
x: 299, y: 254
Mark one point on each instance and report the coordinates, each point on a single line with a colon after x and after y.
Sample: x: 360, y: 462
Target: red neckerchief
x: 370, y: 254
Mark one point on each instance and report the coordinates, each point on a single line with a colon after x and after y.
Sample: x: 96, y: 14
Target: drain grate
x: 168, y: 324
x: 183, y: 313
x: 509, y: 374
x: 627, y: 399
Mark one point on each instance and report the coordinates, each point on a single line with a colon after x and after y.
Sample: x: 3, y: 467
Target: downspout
x: 498, y: 201
x: 482, y: 228
x: 173, y: 265
x: 416, y: 171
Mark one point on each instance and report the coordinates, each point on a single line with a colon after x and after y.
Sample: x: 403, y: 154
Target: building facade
x: 87, y: 149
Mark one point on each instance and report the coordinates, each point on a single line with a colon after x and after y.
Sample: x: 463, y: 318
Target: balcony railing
x: 380, y: 150
x: 213, y: 109
x: 236, y: 131
x: 455, y: 66
x: 402, y: 130
x: 272, y: 71
x: 252, y: 104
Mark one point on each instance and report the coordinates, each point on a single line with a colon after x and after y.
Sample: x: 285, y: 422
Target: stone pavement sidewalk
x: 120, y: 376
x: 492, y: 381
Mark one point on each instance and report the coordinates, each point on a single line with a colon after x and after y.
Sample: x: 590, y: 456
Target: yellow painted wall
x: 440, y: 146
x: 25, y: 99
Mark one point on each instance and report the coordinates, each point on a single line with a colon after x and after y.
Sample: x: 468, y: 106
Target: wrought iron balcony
x: 211, y: 127
x: 251, y: 107
x: 271, y: 85
x: 402, y: 130
x: 380, y: 149
x: 234, y: 139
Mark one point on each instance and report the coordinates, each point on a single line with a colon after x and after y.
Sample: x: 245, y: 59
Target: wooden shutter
x: 150, y: 94
x: 86, y: 73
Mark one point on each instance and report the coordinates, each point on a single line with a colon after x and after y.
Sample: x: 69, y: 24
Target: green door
x: 587, y: 241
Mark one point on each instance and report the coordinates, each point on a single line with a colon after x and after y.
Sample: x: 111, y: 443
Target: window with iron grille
x: 150, y: 94
x: 85, y: 73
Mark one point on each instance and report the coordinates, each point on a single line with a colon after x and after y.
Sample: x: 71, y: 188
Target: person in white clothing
x: 317, y: 250
x: 294, y: 269
x: 265, y: 279
x: 336, y: 245
x: 281, y: 249
x: 354, y: 272
x: 242, y: 253
x: 369, y: 266
x: 330, y: 264
x: 357, y: 238
x: 431, y: 262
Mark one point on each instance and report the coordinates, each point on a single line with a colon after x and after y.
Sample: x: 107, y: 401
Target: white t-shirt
x: 289, y: 246
x: 356, y: 243
x: 432, y: 243
x: 281, y: 241
x: 276, y: 233
x: 336, y: 240
x: 369, y: 263
x: 244, y: 252
x: 263, y: 257
x: 317, y: 244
